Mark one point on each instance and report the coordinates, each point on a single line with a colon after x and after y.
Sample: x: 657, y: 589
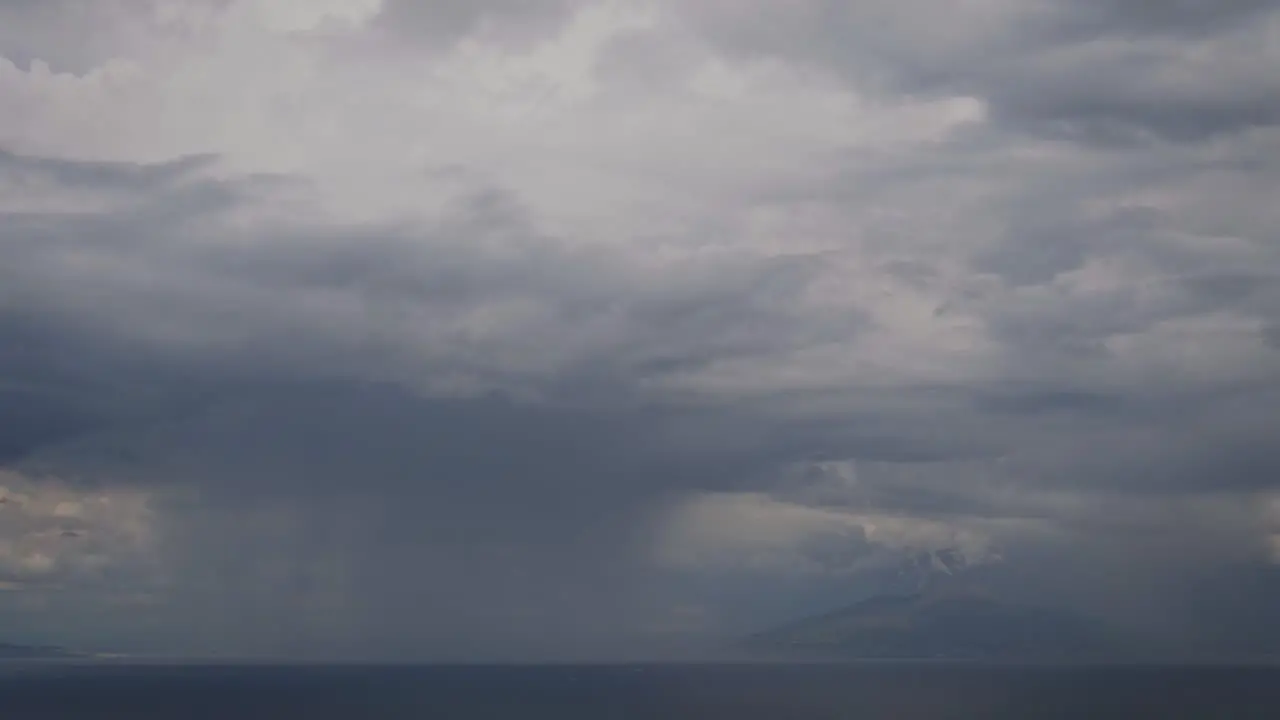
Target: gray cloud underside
x: 1104, y: 71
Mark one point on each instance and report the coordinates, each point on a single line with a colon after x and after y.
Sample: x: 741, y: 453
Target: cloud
x: 521, y: 329
x: 58, y: 536
x: 756, y: 533
x: 506, y: 21
x: 1114, y: 71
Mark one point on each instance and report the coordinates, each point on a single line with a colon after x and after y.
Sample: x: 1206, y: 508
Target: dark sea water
x: 858, y: 691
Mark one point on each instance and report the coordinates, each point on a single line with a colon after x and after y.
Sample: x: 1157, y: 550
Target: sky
x: 543, y: 329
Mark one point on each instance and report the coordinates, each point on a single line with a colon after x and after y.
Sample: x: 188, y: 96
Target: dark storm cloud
x: 29, y: 422
x: 1036, y: 401
x: 69, y: 36
x: 126, y: 177
x: 529, y: 513
x: 482, y: 517
x: 519, y: 22
x: 1180, y: 18
x: 1106, y: 72
x: 340, y: 518
x: 465, y: 434
x: 1124, y: 100
x: 185, y: 291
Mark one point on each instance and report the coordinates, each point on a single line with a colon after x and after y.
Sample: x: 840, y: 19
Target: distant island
x: 12, y: 651
x: 942, y: 625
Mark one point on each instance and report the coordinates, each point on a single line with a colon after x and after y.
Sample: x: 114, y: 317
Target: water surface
x: 901, y: 691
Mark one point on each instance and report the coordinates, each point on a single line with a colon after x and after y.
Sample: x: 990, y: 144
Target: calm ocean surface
x: 897, y: 691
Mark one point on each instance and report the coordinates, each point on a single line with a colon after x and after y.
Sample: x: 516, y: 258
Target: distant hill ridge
x: 14, y: 651
x: 947, y: 620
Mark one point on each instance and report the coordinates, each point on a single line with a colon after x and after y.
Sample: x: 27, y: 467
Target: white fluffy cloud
x: 55, y: 533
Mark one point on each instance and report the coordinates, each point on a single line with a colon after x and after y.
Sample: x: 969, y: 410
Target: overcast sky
x: 552, y: 328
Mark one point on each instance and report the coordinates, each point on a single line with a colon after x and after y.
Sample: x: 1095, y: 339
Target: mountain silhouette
x: 13, y: 651
x: 954, y: 622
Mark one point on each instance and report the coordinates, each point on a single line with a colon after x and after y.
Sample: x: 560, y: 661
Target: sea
x: 861, y: 691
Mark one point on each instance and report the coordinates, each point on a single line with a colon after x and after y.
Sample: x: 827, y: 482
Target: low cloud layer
x: 574, y: 329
